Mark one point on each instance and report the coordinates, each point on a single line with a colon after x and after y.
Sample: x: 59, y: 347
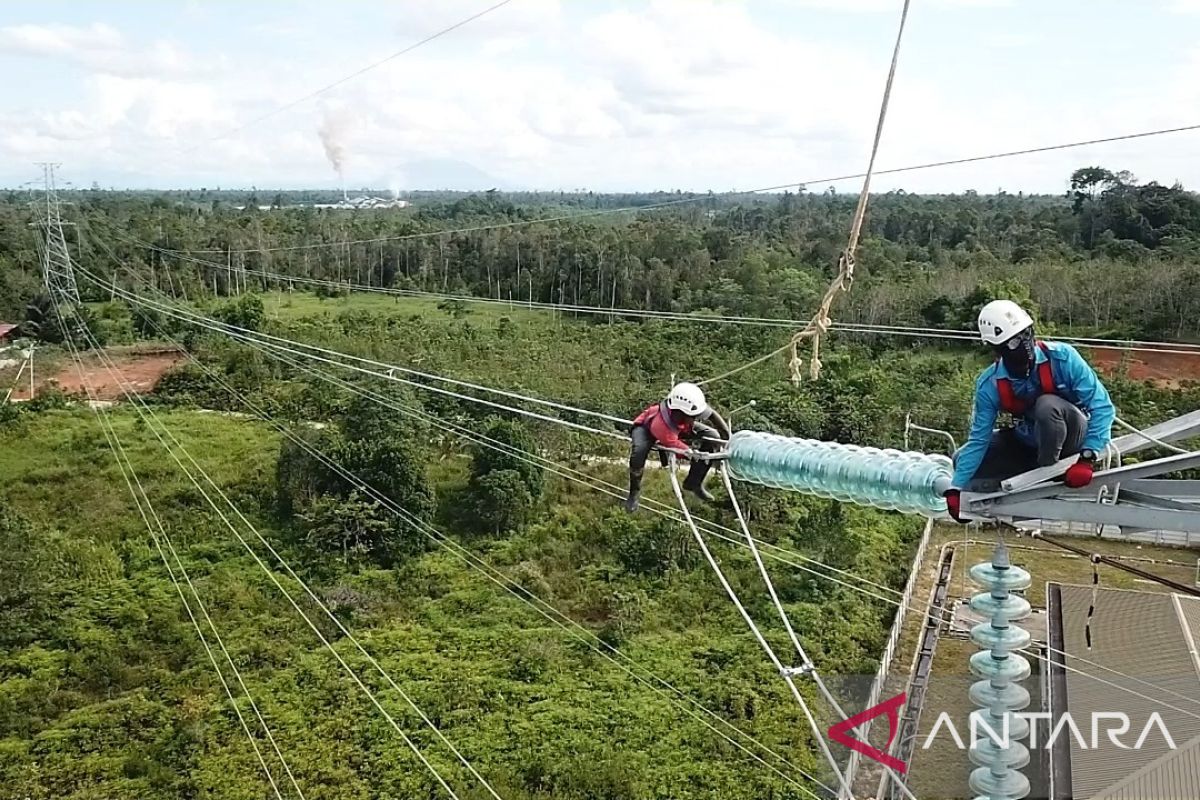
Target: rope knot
x: 795, y: 362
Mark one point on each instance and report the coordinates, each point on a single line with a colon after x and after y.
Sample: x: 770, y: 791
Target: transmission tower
x: 57, y: 270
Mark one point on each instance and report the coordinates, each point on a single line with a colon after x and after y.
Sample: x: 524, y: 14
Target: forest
x: 1112, y: 256
x: 568, y: 649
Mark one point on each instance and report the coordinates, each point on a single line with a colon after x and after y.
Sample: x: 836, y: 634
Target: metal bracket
x: 909, y: 426
x: 795, y: 672
x: 1142, y: 503
x: 1101, y: 514
x: 1185, y: 426
x: 1039, y: 475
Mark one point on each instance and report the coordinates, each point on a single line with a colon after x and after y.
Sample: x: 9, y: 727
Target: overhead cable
x: 1094, y: 677
x: 561, y: 620
x: 355, y: 74
x: 174, y: 449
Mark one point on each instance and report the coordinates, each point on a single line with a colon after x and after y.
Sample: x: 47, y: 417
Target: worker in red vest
x: 674, y: 424
x: 1058, y: 404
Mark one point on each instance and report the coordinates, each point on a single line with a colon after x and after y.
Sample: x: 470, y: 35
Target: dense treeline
x: 106, y: 692
x: 1111, y: 256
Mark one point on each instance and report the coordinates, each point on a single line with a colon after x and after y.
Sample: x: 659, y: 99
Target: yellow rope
x: 820, y: 322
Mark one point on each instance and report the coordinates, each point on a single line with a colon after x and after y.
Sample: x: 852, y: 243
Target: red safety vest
x: 661, y: 412
x: 1009, y: 402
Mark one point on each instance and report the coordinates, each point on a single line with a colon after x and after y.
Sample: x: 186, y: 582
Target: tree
x: 147, y: 322
x: 395, y: 468
x: 246, y: 311
x: 515, y: 438
x: 42, y: 320
x: 300, y: 477
x: 648, y: 548
x: 354, y: 527
x: 1087, y: 183
x: 365, y: 418
x: 501, y: 500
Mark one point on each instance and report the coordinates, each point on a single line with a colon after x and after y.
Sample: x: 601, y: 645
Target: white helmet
x: 1000, y: 320
x: 688, y: 398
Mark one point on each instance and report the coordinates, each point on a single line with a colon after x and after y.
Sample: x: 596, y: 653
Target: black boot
x: 635, y: 491
x: 697, y: 488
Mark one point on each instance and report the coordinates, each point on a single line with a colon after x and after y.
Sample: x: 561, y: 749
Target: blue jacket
x: 1076, y: 382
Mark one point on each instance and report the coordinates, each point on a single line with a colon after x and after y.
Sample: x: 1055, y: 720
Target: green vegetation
x: 1112, y: 255
x: 105, y: 689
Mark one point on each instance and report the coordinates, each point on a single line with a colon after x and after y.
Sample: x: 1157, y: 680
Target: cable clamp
x: 800, y: 671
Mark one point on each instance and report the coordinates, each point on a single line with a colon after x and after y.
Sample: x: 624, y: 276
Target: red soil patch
x: 1169, y: 369
x: 139, y: 373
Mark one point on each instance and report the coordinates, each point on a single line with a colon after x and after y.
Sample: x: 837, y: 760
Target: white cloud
x: 60, y: 40
x: 515, y: 19
x: 664, y: 94
x: 101, y: 48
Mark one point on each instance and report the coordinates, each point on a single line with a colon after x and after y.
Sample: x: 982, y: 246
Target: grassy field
x: 299, y: 304
x: 531, y: 703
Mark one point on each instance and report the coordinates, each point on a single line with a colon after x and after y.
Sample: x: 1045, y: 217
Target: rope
x: 821, y: 321
x: 818, y: 734
x: 1087, y: 629
x: 616, y: 492
x: 504, y: 582
x: 1149, y: 438
x: 805, y: 661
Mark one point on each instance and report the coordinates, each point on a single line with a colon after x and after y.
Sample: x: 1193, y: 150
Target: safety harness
x: 660, y: 409
x: 1009, y: 402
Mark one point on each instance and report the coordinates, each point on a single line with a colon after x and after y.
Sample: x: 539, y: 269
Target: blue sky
x: 565, y: 94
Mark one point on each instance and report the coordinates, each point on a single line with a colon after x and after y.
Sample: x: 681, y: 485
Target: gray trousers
x: 1059, y: 428
x: 642, y: 442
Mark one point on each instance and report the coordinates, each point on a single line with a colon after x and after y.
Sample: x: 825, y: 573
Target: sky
x: 601, y: 95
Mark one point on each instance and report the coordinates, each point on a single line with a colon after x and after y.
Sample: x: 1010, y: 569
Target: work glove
x: 1079, y: 474
x: 953, y: 499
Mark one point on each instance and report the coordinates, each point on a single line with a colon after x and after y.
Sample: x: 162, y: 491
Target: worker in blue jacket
x: 1059, y: 406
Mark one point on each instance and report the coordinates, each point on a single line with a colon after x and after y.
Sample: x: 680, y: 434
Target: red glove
x: 953, y: 499
x: 1079, y: 474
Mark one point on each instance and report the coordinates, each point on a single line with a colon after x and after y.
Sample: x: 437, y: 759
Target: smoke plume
x: 333, y: 130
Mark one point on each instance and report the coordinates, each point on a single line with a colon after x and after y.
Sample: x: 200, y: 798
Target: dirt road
x: 139, y: 371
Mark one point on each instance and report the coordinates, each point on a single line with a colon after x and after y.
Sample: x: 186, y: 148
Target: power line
x: 277, y: 345
x: 246, y: 336
x: 1099, y: 558
x: 710, y: 528
x: 146, y: 414
x: 486, y: 569
x: 142, y: 500
x: 910, y: 331
x: 704, y: 197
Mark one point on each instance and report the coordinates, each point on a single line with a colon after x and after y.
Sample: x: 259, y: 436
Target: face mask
x: 1017, y: 354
